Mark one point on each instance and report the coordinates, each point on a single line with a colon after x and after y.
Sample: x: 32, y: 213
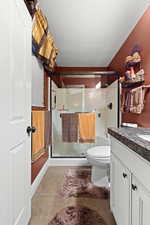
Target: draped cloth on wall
x: 38, y: 138
x: 43, y: 45
x: 39, y: 29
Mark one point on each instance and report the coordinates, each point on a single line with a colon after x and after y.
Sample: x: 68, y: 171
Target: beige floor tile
x: 52, y: 180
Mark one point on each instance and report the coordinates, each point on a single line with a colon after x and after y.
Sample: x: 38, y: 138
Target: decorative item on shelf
x: 133, y: 78
x: 140, y: 75
x: 136, y: 48
x: 121, y: 79
x: 128, y: 75
x: 132, y: 61
x: 134, y: 73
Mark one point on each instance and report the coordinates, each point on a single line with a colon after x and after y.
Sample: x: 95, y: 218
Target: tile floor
x: 46, y: 202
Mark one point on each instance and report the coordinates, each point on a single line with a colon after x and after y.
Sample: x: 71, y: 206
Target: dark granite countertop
x: 129, y: 137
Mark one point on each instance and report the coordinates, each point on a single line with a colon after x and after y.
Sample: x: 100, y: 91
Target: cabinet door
x: 140, y: 204
x: 120, y: 192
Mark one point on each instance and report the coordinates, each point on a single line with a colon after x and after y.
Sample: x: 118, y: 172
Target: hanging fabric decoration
x: 46, y: 49
x: 43, y: 45
x: 39, y: 30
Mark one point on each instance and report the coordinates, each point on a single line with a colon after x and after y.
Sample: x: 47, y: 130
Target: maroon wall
x: 141, y: 36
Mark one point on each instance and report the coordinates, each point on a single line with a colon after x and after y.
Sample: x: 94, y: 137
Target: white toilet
x: 99, y: 158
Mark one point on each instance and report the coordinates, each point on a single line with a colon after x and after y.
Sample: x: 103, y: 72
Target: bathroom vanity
x: 130, y: 175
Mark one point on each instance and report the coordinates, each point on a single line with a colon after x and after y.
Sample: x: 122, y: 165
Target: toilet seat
x: 100, y: 152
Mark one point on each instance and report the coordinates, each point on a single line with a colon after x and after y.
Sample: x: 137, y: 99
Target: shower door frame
x: 100, y: 73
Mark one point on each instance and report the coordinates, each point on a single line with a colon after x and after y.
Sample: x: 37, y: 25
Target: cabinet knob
x: 134, y: 187
x: 124, y: 175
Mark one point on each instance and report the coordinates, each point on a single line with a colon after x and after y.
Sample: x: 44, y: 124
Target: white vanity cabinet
x: 120, y: 191
x: 130, y: 186
x: 140, y: 204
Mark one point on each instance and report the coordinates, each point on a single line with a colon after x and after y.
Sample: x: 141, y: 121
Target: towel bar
x: 99, y: 114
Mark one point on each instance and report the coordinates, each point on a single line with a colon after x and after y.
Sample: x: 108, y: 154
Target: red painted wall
x: 141, y: 36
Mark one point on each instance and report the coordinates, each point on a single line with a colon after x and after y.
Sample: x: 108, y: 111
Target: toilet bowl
x: 99, y: 158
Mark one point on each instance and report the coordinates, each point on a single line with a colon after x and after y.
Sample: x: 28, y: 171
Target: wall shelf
x: 127, y: 84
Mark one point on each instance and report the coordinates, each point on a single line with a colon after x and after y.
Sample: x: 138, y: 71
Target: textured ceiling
x: 90, y: 32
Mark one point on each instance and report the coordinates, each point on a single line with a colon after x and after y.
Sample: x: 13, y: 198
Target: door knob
x: 30, y: 130
x: 134, y: 187
x: 124, y: 175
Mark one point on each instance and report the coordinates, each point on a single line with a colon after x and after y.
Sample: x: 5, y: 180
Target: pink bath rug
x: 77, y: 183
x: 77, y: 215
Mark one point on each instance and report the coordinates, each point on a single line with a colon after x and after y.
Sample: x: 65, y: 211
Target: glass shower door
x: 76, y: 100
x: 68, y: 101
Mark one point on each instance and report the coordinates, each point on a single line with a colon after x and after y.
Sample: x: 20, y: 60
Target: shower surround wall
x: 70, y: 100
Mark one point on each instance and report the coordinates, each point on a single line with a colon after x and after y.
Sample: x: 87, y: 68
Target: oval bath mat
x: 77, y: 183
x: 77, y: 215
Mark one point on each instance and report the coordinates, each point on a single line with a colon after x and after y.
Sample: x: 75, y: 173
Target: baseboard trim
x: 68, y: 162
x: 38, y: 179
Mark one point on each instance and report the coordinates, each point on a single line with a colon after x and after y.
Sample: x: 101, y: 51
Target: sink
x: 144, y: 136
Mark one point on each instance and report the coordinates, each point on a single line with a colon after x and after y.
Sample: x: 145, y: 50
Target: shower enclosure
x: 78, y: 99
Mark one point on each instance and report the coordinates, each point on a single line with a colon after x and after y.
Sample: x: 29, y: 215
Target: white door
x: 140, y: 204
x: 112, y: 98
x: 120, y: 192
x: 15, y: 114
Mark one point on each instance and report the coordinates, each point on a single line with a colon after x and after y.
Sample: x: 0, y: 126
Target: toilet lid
x: 99, y: 152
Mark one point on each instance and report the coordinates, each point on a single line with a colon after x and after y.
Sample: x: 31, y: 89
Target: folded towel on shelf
x: 135, y: 58
x: 87, y: 127
x: 69, y: 127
